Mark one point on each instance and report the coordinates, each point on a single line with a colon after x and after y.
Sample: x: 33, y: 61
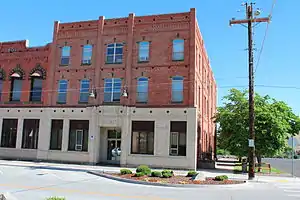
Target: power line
x: 264, y: 39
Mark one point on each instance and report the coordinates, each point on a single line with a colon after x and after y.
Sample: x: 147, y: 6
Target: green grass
x: 263, y: 170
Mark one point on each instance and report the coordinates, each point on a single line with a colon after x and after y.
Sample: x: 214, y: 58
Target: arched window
x: 142, y: 90
x: 36, y: 87
x: 178, y: 50
x: 114, y: 53
x: 84, y: 91
x: 62, y: 91
x: 177, y: 89
x: 16, y: 87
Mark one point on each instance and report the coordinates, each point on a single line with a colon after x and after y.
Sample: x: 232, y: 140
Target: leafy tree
x: 274, y: 123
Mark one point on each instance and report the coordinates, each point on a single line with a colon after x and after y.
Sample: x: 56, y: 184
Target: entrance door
x: 113, y: 146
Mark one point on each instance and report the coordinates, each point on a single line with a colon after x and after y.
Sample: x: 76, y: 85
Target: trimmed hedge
x: 221, y: 178
x: 143, y: 169
x: 191, y: 173
x: 167, y: 173
x: 139, y: 174
x: 156, y: 174
x: 125, y: 171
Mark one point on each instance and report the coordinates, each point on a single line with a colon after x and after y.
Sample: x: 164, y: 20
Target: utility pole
x: 250, y: 20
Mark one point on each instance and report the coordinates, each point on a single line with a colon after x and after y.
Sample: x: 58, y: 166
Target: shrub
x: 56, y: 198
x: 221, y: 178
x: 125, y: 171
x: 156, y: 174
x: 191, y: 173
x: 144, y: 169
x: 139, y: 174
x: 167, y: 175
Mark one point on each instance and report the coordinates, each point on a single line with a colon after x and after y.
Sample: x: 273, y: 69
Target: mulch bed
x: 177, y: 180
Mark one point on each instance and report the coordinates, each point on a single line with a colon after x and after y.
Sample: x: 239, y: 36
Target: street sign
x: 251, y: 143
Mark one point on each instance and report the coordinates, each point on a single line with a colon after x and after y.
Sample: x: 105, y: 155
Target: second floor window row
x: 115, y: 53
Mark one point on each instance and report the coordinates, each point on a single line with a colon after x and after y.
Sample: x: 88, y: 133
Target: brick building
x: 128, y: 91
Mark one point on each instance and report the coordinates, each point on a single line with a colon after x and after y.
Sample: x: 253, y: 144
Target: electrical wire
x: 264, y: 39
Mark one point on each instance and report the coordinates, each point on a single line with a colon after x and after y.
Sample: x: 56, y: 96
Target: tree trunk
x: 259, y: 162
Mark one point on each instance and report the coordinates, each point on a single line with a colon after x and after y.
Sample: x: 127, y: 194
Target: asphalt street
x: 285, y: 165
x: 33, y: 183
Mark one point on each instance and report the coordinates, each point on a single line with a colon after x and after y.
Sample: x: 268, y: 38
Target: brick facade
x: 160, y: 30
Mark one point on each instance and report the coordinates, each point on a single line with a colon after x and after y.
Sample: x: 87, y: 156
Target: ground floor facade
x: 129, y: 136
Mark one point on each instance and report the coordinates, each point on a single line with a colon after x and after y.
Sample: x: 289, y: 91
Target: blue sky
x: 279, y: 64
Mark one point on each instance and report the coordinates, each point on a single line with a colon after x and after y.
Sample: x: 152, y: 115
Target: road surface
x: 285, y: 165
x: 34, y: 183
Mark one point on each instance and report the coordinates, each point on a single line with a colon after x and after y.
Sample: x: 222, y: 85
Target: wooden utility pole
x: 249, y: 21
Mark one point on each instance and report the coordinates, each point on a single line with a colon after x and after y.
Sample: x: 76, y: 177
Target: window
x: 30, y: 133
x: 142, y: 138
x: 16, y: 89
x: 56, y: 134
x: 62, y: 91
x: 87, y: 52
x: 143, y: 51
x: 36, y: 89
x: 78, y: 135
x: 65, y: 55
x: 1, y: 86
x: 142, y: 89
x: 178, y: 138
x: 177, y: 89
x: 114, y: 53
x: 9, y: 133
x: 112, y: 89
x: 84, y: 91
x: 178, y: 49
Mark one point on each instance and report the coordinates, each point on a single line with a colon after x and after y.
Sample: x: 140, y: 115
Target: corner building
x: 127, y: 91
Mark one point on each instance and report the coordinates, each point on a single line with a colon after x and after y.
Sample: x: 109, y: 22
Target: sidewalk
x: 221, y: 170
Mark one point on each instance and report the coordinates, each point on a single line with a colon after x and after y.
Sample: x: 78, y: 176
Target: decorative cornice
x: 40, y: 69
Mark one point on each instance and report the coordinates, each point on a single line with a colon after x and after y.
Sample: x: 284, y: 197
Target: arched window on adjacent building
x: 177, y: 89
x: 142, y: 90
x: 16, y: 86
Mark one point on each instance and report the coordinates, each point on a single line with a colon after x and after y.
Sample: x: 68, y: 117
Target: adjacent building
x: 129, y: 91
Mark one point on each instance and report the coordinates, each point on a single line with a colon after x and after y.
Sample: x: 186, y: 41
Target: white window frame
x: 144, y: 46
x: 113, y: 81
x: 86, y: 49
x: 78, y: 146
x: 114, y: 47
x: 176, y: 134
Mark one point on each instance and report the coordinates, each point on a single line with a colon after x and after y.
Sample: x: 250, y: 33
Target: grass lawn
x: 263, y: 170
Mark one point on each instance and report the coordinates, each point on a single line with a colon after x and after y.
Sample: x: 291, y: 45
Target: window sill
x: 86, y: 64
x: 146, y: 61
x: 73, y: 151
x: 113, y: 63
x: 178, y: 60
x: 141, y: 102
x: 81, y: 102
x: 175, y: 156
x: 63, y: 65
x: 176, y: 102
x: 55, y: 150
x: 13, y: 102
x: 61, y: 103
x: 33, y: 102
x: 111, y: 103
x: 141, y: 154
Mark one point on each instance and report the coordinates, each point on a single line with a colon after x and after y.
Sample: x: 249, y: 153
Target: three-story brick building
x: 129, y: 91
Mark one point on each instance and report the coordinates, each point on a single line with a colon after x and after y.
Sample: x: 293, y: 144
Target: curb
x: 101, y: 174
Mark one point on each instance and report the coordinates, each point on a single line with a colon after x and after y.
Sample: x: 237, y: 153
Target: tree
x: 274, y: 123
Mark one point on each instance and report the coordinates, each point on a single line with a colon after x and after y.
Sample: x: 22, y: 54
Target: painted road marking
x: 50, y: 188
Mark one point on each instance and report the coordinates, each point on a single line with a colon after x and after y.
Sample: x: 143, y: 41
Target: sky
x: 226, y: 46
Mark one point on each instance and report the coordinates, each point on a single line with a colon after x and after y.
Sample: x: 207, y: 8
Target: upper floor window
x: 87, y: 52
x: 84, y: 91
x: 62, y: 91
x: 114, y: 53
x: 178, y: 49
x: 177, y: 89
x: 142, y: 89
x: 36, y: 88
x: 112, y: 89
x: 143, y: 51
x: 65, y: 55
x: 16, y: 87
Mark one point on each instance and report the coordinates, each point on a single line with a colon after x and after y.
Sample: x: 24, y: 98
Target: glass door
x: 113, y: 145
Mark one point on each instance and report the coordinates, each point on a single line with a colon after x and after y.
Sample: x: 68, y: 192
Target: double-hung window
x: 84, y: 91
x: 143, y: 51
x: 65, y: 55
x: 87, y: 52
x: 177, y: 89
x: 62, y: 91
x: 142, y: 89
x: 178, y: 50
x: 114, y: 53
x: 112, y: 89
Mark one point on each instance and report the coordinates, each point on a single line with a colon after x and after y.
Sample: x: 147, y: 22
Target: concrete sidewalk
x: 85, y: 168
